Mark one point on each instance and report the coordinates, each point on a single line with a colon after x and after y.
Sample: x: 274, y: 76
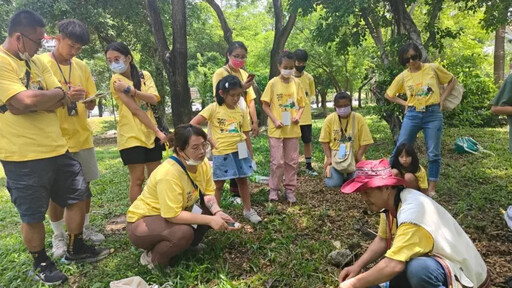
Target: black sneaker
x: 48, y: 273
x: 87, y: 254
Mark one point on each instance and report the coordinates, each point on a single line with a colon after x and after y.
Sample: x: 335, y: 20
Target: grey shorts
x: 33, y: 183
x: 87, y: 158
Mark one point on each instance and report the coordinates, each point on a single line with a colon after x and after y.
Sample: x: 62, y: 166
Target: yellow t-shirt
x: 242, y: 75
x: 130, y: 131
x: 227, y: 127
x: 421, y: 87
x: 75, y: 129
x: 284, y: 97
x: 410, y: 240
x: 421, y: 175
x: 33, y: 135
x: 168, y: 191
x: 331, y: 131
x: 308, y: 83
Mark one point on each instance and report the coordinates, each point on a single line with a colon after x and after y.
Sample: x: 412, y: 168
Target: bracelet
x: 217, y: 212
x: 63, y: 93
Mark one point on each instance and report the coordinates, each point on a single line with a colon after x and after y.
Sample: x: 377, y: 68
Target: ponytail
x: 135, y: 74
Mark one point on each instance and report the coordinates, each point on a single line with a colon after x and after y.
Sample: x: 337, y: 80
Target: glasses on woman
x: 205, y: 146
x: 239, y: 57
x: 414, y: 57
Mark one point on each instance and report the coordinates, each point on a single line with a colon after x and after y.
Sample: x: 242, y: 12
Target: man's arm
x: 34, y: 100
x: 384, y: 271
x: 376, y: 250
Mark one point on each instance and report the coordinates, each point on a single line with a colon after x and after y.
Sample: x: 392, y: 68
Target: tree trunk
x: 499, y: 55
x: 323, y: 94
x: 175, y: 61
x: 361, y: 90
x: 159, y: 108
x: 373, y: 26
x: 182, y: 110
x: 228, y: 33
x: 317, y: 99
x: 392, y: 119
x: 281, y: 35
x: 433, y: 12
x: 404, y: 19
x: 100, y: 107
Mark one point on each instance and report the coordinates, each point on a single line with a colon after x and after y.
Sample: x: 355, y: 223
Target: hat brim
x: 357, y: 184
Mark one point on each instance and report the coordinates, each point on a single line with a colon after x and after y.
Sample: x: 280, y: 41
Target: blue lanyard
x: 201, y: 196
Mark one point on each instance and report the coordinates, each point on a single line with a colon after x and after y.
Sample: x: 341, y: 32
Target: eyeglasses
x: 38, y: 43
x: 414, y: 57
x: 205, y: 146
x: 243, y: 57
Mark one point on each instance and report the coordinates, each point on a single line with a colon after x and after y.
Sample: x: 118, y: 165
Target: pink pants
x: 284, y: 159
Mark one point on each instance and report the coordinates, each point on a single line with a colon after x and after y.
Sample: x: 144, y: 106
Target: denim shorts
x: 33, y: 183
x: 230, y: 167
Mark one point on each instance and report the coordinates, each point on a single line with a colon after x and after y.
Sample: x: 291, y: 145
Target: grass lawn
x: 289, y: 248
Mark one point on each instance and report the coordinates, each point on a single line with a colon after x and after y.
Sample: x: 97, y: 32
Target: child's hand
x: 296, y: 120
x: 278, y: 124
x: 89, y: 105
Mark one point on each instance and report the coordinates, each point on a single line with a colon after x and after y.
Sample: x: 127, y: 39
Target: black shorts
x: 140, y: 155
x: 306, y: 131
x: 33, y: 183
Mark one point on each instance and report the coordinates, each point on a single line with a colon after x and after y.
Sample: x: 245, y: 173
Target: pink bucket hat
x: 371, y: 174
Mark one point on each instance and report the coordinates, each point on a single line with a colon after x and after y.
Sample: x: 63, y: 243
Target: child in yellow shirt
x: 283, y: 101
x: 406, y: 165
x: 230, y: 126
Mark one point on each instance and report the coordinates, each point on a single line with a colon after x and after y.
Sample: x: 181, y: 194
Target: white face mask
x: 192, y: 162
x: 118, y: 67
x: 24, y: 55
x: 287, y: 73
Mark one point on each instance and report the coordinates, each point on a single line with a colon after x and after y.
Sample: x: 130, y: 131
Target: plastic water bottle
x: 384, y: 285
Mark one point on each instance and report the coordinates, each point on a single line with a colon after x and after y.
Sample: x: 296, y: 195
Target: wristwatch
x: 127, y: 90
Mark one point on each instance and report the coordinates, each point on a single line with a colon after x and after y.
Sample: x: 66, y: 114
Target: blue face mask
x: 118, y: 67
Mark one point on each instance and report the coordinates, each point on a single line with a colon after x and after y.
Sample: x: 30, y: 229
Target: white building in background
x: 49, y: 43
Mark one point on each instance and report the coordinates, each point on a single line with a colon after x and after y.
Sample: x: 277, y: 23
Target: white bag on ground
x: 132, y: 282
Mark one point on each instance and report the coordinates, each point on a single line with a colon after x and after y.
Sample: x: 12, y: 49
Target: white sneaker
x: 145, y: 259
x: 59, y: 245
x: 252, y: 216
x: 93, y: 236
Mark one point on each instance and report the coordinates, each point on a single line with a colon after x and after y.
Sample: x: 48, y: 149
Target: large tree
x: 175, y: 60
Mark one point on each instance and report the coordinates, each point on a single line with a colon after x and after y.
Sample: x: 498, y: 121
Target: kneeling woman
x: 347, y: 131
x: 160, y: 220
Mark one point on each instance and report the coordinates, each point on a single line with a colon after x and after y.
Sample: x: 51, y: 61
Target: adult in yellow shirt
x: 420, y: 243
x: 283, y: 101
x: 338, y: 130
x: 134, y: 92
x: 32, y: 150
x: 424, y: 105
x: 306, y: 123
x: 75, y: 77
x: 164, y: 220
x: 236, y: 57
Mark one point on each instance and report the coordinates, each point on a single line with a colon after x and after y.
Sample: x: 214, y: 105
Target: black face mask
x: 300, y: 68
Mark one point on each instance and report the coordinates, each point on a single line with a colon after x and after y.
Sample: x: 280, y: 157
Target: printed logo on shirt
x: 286, y: 102
x: 230, y: 126
x: 191, y: 196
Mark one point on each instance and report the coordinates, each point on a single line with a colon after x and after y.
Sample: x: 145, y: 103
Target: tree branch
x: 435, y: 9
x: 158, y: 29
x: 228, y: 33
